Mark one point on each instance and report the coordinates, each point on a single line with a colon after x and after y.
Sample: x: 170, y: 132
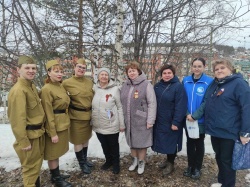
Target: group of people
x: 151, y: 116
x: 45, y: 122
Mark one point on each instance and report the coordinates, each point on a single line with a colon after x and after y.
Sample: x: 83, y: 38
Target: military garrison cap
x: 81, y: 61
x: 51, y: 63
x: 26, y: 60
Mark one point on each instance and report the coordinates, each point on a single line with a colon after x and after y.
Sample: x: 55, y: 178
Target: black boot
x: 106, y: 165
x: 116, y: 166
x: 196, y: 174
x: 82, y: 162
x: 85, y: 152
x: 188, y: 171
x: 63, y: 176
x: 38, y: 182
x: 58, y: 180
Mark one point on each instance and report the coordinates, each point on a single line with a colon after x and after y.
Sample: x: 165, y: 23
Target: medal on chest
x: 136, y: 94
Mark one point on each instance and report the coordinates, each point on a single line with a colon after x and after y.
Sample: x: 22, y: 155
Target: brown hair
x: 55, y: 67
x: 199, y: 59
x: 167, y: 66
x: 133, y: 65
x: 223, y: 62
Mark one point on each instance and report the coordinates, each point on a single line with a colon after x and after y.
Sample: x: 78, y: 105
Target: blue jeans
x: 223, y: 149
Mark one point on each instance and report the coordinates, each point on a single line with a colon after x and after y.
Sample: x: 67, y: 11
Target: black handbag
x: 241, y: 156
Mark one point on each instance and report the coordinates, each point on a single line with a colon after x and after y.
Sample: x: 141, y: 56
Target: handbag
x: 193, y: 129
x: 241, y: 156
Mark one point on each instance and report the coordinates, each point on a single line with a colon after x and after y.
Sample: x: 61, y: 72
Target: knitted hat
x: 26, y: 60
x: 51, y: 63
x: 103, y: 69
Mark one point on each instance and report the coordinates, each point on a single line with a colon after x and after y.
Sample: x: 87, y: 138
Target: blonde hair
x: 225, y: 62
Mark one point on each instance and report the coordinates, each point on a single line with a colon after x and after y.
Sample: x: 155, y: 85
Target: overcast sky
x: 241, y: 37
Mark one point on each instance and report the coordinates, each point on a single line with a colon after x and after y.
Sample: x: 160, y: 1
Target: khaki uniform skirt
x: 55, y: 150
x: 80, y: 131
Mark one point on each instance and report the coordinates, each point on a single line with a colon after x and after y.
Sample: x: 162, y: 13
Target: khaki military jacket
x: 54, y: 97
x: 81, y: 94
x: 25, y: 108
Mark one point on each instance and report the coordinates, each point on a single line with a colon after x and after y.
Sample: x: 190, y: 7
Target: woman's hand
x: 174, y: 127
x: 54, y: 139
x: 149, y: 126
x: 122, y: 130
x: 27, y: 148
x: 189, y: 118
x: 244, y: 140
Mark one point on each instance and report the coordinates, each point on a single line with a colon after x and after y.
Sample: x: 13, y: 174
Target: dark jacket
x: 227, y: 109
x: 171, y: 110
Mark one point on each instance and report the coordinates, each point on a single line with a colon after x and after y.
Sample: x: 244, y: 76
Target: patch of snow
x: 10, y: 161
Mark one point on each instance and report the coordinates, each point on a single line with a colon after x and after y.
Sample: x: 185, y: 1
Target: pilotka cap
x: 26, y: 60
x: 51, y: 63
x: 81, y: 61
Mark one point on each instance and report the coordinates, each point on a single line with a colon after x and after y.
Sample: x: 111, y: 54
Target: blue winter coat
x: 171, y: 110
x: 227, y: 109
x: 195, y: 92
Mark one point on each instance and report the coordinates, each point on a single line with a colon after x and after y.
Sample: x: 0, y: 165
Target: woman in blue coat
x: 227, y: 117
x: 170, y: 118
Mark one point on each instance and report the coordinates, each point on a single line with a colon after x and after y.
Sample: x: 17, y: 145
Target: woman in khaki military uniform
x: 55, y: 102
x: 81, y: 94
x: 27, y: 118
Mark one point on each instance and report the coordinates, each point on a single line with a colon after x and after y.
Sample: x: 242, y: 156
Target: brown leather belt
x: 34, y: 127
x: 80, y: 109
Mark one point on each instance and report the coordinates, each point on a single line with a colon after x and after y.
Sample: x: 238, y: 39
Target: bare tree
x: 110, y: 32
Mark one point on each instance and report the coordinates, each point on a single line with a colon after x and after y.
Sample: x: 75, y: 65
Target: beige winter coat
x: 107, y: 114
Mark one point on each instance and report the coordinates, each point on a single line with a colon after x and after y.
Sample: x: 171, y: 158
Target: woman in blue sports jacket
x: 196, y: 86
x: 227, y: 117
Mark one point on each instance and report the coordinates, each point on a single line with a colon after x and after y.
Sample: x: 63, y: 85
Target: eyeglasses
x: 197, y: 67
x: 81, y: 67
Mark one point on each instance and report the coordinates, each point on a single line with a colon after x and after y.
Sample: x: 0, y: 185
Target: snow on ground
x: 9, y: 159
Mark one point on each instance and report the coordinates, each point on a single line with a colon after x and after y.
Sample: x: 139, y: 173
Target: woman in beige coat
x: 107, y: 118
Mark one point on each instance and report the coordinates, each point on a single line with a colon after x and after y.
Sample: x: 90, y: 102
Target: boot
x: 63, y: 176
x: 116, y: 164
x: 106, y: 165
x: 85, y: 153
x: 169, y: 169
x: 141, y: 167
x: 38, y: 182
x: 163, y: 164
x: 82, y: 162
x: 188, y: 172
x: 134, y: 164
x: 196, y: 174
x: 58, y: 180
x: 116, y: 168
